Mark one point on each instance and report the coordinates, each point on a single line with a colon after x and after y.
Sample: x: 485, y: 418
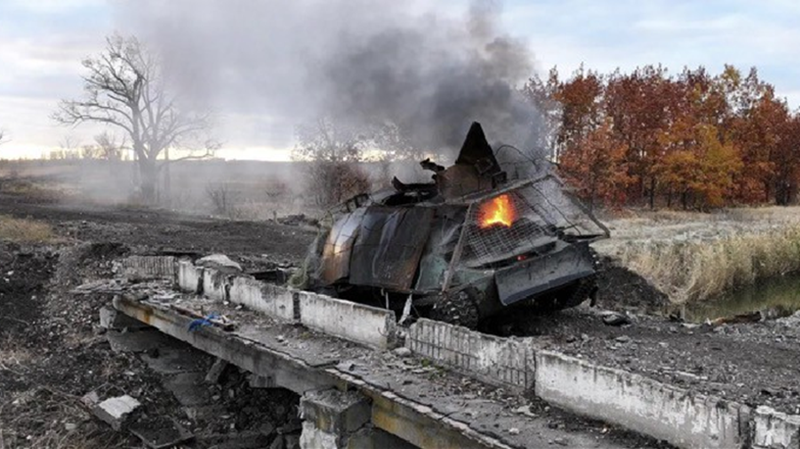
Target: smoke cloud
x: 428, y: 71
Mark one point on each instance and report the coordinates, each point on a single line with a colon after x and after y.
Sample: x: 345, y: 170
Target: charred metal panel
x: 534, y: 276
x: 339, y: 247
x: 445, y: 231
x: 389, y: 246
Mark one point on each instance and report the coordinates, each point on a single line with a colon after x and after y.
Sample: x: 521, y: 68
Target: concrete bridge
x: 366, y: 382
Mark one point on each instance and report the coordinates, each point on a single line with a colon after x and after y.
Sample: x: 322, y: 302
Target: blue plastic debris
x: 200, y: 322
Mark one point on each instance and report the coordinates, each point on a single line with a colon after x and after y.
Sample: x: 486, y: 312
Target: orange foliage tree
x: 595, y: 166
x: 702, y: 172
x: 646, y: 137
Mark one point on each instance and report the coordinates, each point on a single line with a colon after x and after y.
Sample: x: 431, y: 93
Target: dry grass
x: 25, y: 230
x: 39, y: 191
x: 695, y: 257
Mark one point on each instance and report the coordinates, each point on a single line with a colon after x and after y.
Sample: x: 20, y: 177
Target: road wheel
x: 458, y: 308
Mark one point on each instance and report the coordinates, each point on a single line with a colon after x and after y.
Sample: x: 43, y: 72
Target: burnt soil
x: 147, y: 230
x: 52, y: 351
x: 51, y: 354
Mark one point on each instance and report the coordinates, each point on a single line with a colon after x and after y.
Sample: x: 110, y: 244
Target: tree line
x: 692, y: 140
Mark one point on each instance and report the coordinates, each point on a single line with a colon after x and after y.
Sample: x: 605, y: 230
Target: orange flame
x: 497, y: 211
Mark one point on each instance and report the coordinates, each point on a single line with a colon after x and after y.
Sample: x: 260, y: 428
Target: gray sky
x: 43, y: 41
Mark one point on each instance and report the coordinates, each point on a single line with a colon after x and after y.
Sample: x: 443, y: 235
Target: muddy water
x: 777, y: 297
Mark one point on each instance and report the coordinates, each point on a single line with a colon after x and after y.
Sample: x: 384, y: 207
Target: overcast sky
x: 43, y: 41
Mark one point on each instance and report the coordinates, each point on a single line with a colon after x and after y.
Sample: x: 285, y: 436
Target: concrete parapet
x: 275, y: 301
x: 216, y: 284
x: 190, y: 277
x: 149, y: 267
x: 362, y: 324
x: 775, y: 430
x: 367, y: 325
x: 635, y: 402
x: 498, y: 361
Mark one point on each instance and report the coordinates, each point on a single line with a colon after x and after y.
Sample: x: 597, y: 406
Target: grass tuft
x: 25, y: 230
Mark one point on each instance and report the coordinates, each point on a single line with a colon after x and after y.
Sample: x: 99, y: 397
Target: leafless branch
x: 123, y: 88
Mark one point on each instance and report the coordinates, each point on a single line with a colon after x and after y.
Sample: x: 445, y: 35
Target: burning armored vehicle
x: 483, y: 237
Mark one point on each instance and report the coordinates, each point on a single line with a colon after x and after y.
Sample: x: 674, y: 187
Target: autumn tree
x: 641, y: 105
x: 595, y: 166
x: 581, y: 99
x: 700, y: 168
x: 124, y: 88
x: 755, y: 123
x: 786, y: 160
x: 704, y: 140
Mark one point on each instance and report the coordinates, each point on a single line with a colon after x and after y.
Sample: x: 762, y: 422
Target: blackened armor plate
x: 389, y: 245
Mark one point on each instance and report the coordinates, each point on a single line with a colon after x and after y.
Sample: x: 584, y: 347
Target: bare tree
x: 324, y: 140
x: 90, y: 152
x: 109, y: 148
x: 332, y: 154
x: 67, y: 149
x: 124, y: 88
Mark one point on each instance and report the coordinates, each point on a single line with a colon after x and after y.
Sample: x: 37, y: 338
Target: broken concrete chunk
x: 402, y: 351
x: 115, y: 411
x: 90, y: 399
x: 525, y: 410
x: 220, y: 262
x: 616, y: 319
x: 216, y: 371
